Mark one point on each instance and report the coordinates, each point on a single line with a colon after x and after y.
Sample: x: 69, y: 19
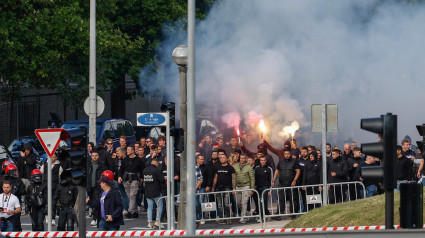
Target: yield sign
x: 49, y: 139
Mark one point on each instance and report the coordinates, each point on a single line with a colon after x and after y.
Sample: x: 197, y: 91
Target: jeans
x: 7, y: 226
x: 223, y: 202
x: 124, y: 196
x: 398, y: 185
x: 199, y: 201
x: 104, y: 226
x: 151, y: 202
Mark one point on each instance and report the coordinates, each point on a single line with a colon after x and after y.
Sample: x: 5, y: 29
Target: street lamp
x: 180, y: 58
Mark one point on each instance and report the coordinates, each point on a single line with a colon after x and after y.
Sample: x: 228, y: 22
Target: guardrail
x: 223, y: 206
x: 298, y: 200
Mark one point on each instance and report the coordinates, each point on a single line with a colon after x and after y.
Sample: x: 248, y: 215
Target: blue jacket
x: 113, y: 206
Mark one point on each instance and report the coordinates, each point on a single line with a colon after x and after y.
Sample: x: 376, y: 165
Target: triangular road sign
x: 49, y: 139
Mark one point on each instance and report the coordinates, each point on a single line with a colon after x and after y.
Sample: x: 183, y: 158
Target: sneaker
x: 128, y: 215
x: 53, y: 223
x: 258, y: 220
x: 242, y: 220
x: 124, y: 212
x: 93, y: 223
x: 157, y: 223
x: 202, y: 221
x: 135, y: 215
x: 229, y: 222
x: 277, y: 218
x: 150, y: 225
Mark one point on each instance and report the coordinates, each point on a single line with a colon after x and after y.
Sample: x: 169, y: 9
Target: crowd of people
x: 126, y: 180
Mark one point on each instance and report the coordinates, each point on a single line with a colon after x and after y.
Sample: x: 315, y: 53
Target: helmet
x: 36, y: 176
x: 10, y: 169
x: 109, y: 174
x: 5, y: 164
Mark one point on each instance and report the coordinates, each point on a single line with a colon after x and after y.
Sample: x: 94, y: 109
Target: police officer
x: 36, y: 200
x: 66, y: 193
x: 18, y: 189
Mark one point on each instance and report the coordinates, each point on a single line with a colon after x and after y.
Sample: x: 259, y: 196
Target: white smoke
x: 277, y: 58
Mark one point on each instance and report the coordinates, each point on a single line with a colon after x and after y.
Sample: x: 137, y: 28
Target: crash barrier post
x: 298, y: 200
x: 226, y: 205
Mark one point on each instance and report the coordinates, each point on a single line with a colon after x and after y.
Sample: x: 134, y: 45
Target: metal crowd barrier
x: 298, y: 200
x: 215, y: 205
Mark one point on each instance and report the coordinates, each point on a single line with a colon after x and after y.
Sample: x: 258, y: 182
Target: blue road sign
x: 151, y: 119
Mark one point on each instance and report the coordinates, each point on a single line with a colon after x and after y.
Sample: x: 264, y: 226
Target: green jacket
x: 244, y: 176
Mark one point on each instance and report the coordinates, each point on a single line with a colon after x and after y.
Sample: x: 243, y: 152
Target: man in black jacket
x: 403, y: 168
x: 352, y: 164
x: 288, y: 171
x: 337, y: 173
x: 109, y: 206
x: 130, y: 177
x: 263, y: 179
x: 154, y: 183
x: 27, y: 164
x: 312, y: 175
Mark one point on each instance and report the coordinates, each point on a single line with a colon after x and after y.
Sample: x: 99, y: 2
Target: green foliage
x: 45, y: 43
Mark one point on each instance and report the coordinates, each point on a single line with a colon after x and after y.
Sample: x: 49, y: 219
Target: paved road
x: 141, y: 223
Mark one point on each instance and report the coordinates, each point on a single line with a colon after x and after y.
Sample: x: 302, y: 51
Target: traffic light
x: 421, y: 130
x: 75, y: 154
x: 171, y: 108
x: 178, y: 139
x: 385, y: 126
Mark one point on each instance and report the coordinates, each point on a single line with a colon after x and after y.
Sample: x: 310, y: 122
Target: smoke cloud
x: 277, y: 58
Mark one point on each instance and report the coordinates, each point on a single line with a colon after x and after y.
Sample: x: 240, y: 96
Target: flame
x: 262, y: 126
x: 290, y: 130
x: 238, y: 132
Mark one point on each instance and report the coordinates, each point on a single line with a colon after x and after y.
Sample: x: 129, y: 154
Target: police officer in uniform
x: 36, y: 200
x: 66, y: 193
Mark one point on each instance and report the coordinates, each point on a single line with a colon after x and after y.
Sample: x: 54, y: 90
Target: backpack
x: 66, y: 195
x: 38, y: 198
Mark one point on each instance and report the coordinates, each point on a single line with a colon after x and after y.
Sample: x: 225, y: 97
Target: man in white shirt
x: 9, y: 206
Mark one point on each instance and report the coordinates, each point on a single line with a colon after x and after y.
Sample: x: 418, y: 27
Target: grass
x: 362, y: 212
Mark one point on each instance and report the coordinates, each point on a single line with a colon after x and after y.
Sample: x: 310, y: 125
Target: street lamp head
x: 180, y: 55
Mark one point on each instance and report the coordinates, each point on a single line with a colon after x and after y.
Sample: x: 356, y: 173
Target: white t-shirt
x: 8, y: 203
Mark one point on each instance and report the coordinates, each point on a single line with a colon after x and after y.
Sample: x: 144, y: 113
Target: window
x: 108, y: 132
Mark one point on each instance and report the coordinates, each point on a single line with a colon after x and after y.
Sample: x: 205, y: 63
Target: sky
x: 276, y: 58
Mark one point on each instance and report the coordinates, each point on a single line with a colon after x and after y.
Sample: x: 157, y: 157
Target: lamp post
x: 180, y: 58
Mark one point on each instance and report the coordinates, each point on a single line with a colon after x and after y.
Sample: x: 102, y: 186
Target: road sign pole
x: 169, y: 198
x: 324, y: 159
x: 49, y: 193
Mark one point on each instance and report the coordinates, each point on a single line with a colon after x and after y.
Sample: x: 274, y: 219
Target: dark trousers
x: 354, y: 191
x: 259, y: 206
x: 337, y: 193
x: 289, y: 195
x: 66, y: 217
x: 37, y: 218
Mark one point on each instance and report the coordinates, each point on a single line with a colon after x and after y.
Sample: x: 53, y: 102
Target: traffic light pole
x: 92, y: 74
x: 170, y: 175
x: 390, y: 132
x: 81, y: 211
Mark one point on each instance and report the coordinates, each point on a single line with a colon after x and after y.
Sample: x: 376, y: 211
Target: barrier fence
x: 224, y: 206
x: 298, y: 200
